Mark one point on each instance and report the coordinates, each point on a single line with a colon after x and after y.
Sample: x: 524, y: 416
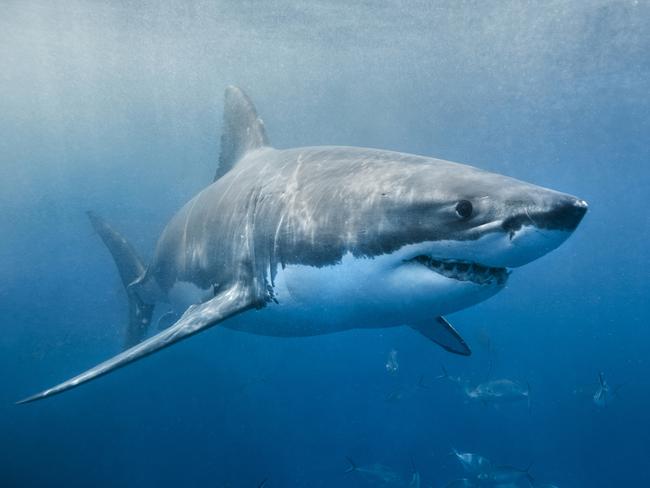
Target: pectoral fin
x: 197, y: 318
x: 442, y: 333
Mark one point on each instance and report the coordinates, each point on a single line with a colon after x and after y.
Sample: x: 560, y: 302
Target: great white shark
x: 315, y: 240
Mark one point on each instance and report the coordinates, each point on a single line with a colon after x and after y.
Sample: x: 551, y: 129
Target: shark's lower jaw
x: 464, y: 270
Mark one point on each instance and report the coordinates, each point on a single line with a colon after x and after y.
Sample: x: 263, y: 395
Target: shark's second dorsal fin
x: 243, y: 130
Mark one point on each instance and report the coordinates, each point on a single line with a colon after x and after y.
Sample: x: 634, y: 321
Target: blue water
x: 116, y: 107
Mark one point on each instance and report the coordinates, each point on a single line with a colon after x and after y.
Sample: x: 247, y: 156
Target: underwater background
x: 117, y: 106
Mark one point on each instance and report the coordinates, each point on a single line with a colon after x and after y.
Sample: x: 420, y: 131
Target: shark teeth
x: 464, y: 271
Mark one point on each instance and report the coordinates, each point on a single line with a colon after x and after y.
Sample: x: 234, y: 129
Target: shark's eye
x: 464, y: 209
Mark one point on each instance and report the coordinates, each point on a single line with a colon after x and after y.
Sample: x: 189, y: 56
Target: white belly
x: 357, y: 293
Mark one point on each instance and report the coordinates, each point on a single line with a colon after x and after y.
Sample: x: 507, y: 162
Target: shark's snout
x: 570, y: 214
x: 562, y: 215
x: 534, y: 231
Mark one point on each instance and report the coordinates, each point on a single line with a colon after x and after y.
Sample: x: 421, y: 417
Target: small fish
x: 376, y: 473
x: 474, y: 464
x: 499, y: 391
x: 604, y: 394
x: 405, y: 391
x: 457, y: 380
x: 462, y: 483
x: 510, y: 477
x: 392, y: 366
x: 511, y: 484
x: 415, y: 479
x: 394, y: 396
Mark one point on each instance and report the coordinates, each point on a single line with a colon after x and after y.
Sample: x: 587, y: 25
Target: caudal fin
x: 415, y: 478
x: 130, y: 267
x: 352, y: 466
x: 444, y: 375
x: 527, y: 471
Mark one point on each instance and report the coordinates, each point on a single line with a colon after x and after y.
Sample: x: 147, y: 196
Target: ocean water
x: 117, y: 107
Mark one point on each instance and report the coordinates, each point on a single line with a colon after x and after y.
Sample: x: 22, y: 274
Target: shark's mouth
x: 464, y: 270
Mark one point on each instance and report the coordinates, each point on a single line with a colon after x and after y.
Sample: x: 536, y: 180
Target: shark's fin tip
x: 442, y: 333
x: 231, y: 302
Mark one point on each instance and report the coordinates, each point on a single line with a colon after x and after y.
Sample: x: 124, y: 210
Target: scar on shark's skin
x: 316, y: 240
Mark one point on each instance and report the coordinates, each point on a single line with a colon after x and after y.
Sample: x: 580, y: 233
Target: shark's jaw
x: 461, y: 270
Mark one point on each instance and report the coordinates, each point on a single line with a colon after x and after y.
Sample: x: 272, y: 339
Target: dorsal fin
x: 243, y: 130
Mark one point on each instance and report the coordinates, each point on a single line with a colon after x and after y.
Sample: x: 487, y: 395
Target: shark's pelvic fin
x: 130, y: 267
x: 243, y: 130
x: 197, y: 318
x: 442, y: 333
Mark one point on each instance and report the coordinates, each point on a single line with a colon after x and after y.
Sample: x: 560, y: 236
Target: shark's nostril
x: 563, y: 215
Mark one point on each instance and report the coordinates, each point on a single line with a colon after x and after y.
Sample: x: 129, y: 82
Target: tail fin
x: 528, y: 397
x: 130, y: 267
x: 352, y: 467
x: 263, y: 483
x: 415, y: 478
x: 527, y: 471
x: 444, y: 375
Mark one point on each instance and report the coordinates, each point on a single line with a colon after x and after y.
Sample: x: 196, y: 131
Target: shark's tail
x: 352, y: 466
x: 130, y: 268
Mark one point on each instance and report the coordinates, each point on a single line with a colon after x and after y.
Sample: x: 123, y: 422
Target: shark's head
x: 459, y: 213
x: 454, y: 232
x: 418, y: 236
